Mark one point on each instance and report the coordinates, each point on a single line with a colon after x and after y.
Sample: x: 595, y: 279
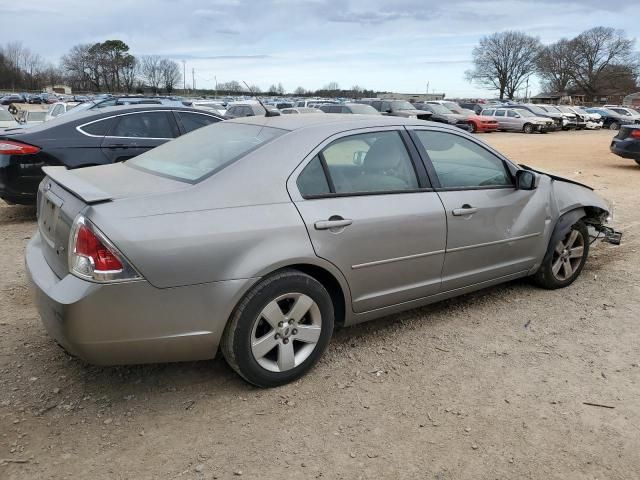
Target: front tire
x: 614, y: 126
x: 528, y: 128
x: 279, y: 330
x: 473, y: 128
x: 565, y: 260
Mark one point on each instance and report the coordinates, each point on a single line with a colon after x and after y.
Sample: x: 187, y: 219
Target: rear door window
x: 145, y: 125
x: 98, y: 128
x: 193, y: 121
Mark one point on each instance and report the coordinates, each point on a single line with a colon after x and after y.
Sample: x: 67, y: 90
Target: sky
x: 393, y: 45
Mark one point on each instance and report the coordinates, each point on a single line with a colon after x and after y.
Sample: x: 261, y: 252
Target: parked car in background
x: 569, y: 120
x: 7, y: 120
x: 626, y: 143
x: 396, y: 108
x: 519, y: 120
x: 59, y: 108
x: 581, y: 121
x: 300, y: 110
x: 632, y: 115
x: 214, y: 107
x: 610, y: 119
x: 476, y: 107
x: 246, y: 109
x: 476, y: 123
x: 257, y: 236
x: 356, y: 108
x: 29, y: 118
x: 442, y: 114
x: 13, y: 98
x: 593, y: 120
x: 108, y: 135
x: 556, y: 117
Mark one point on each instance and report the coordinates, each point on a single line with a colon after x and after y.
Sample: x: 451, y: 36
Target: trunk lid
x: 63, y: 194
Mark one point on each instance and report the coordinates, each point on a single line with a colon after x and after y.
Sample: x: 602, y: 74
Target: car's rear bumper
x: 131, y: 322
x: 625, y: 148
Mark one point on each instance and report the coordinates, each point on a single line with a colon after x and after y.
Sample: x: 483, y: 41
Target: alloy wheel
x: 286, y: 332
x: 568, y: 255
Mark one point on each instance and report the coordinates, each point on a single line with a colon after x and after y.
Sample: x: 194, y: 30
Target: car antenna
x: 268, y: 113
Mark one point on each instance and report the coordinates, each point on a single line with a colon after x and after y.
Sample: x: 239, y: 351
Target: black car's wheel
x: 565, y: 260
x: 528, y: 128
x: 279, y: 330
x: 614, y: 126
x: 472, y: 127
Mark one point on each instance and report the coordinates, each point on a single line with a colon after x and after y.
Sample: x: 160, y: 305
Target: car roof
x: 333, y: 121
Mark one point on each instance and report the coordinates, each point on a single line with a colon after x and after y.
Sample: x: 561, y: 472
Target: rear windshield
x: 205, y: 151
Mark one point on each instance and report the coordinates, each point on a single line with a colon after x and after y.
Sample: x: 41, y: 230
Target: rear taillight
x: 93, y: 257
x: 635, y: 133
x: 8, y: 147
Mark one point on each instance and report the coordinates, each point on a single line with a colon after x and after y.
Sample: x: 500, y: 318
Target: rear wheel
x: 565, y: 260
x: 528, y: 128
x: 279, y: 330
x: 614, y: 126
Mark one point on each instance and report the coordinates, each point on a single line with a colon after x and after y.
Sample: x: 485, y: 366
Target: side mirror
x: 518, y: 115
x: 526, y: 180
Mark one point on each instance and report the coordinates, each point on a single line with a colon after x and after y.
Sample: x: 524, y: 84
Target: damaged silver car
x: 257, y: 236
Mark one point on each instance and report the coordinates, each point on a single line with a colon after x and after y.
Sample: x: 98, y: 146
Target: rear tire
x: 565, y: 260
x: 614, y: 126
x: 279, y: 330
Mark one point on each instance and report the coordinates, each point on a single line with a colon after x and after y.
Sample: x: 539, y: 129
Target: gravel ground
x: 489, y: 385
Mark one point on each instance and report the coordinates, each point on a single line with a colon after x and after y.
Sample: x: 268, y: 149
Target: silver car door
x: 369, y: 210
x: 494, y: 230
x: 503, y: 121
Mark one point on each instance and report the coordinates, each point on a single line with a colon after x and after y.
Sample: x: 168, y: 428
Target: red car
x: 478, y: 123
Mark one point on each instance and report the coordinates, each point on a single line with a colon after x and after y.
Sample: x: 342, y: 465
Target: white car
x: 7, y: 120
x: 594, y: 120
x: 629, y: 113
x: 58, y: 108
x: 213, y: 107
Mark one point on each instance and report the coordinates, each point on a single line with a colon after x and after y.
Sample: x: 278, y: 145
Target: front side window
x: 500, y: 113
x: 144, y: 125
x: 461, y: 163
x: 512, y: 114
x: 369, y: 162
x: 205, y: 151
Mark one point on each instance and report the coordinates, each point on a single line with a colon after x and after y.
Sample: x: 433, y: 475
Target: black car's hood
x: 555, y: 177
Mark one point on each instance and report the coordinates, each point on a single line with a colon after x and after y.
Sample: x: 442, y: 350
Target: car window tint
x: 312, y: 181
x: 501, y: 113
x: 512, y: 114
x: 461, y: 163
x: 488, y: 112
x: 345, y: 110
x: 98, y: 128
x: 193, y: 121
x: 144, y: 125
x: 370, y: 162
x: 376, y: 105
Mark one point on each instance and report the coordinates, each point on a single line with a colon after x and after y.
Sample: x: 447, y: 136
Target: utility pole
x: 193, y: 79
x: 184, y: 76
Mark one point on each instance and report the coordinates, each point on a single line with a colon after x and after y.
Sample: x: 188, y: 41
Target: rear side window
x: 194, y: 157
x: 500, y: 113
x: 312, y: 181
x: 461, y: 163
x: 193, y: 121
x: 99, y: 128
x: 512, y: 114
x: 145, y: 125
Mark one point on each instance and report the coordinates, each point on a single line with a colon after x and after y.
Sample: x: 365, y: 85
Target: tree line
x: 598, y: 60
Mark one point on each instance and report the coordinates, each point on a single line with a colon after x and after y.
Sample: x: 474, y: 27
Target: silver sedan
x: 257, y: 236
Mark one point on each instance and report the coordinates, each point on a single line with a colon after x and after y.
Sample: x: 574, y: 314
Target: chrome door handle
x: 332, y: 223
x: 465, y: 210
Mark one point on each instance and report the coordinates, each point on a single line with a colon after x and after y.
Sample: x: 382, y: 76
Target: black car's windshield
x: 537, y: 110
x: 400, y: 105
x: 203, y: 152
x: 437, y: 108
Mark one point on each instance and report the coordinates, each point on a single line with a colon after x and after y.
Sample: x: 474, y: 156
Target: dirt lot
x: 491, y: 385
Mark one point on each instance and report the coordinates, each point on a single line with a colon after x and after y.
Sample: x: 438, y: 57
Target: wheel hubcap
x: 286, y: 332
x: 567, y: 256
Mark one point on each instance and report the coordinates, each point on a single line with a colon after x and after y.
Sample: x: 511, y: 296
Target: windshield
x: 400, y: 105
x: 454, y: 107
x: 203, y: 152
x: 79, y: 108
x: 537, y: 110
x: 565, y: 109
x: 441, y: 109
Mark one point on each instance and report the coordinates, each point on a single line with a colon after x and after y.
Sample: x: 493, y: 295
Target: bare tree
x: 504, y: 61
x: 594, y: 52
x: 150, y: 71
x: 332, y: 87
x: 300, y: 91
x: 555, y: 65
x: 273, y: 89
x: 130, y: 73
x: 170, y: 74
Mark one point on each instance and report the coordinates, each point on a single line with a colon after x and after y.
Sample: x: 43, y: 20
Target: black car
x: 397, y: 108
x: 536, y: 110
x: 248, y: 109
x: 95, y: 137
x: 13, y: 98
x: 626, y: 143
x: 441, y: 114
x: 610, y: 119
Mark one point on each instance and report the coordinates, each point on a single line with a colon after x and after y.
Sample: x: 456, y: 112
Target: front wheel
x: 565, y: 260
x: 614, y: 126
x: 473, y: 127
x: 279, y: 330
x: 528, y: 128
